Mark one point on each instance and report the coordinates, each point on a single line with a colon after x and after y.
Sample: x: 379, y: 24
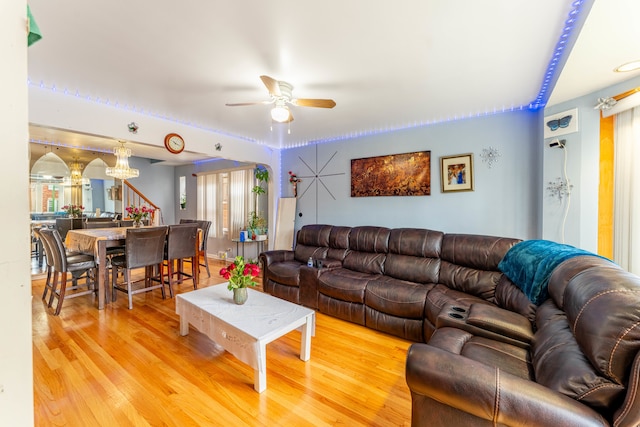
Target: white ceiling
x: 387, y: 64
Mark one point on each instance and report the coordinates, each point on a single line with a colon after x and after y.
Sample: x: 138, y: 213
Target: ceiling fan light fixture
x: 280, y: 113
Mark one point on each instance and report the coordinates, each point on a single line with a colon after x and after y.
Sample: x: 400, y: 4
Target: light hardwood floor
x: 120, y: 367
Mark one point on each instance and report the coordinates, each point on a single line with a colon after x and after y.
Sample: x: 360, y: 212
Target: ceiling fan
x: 280, y: 92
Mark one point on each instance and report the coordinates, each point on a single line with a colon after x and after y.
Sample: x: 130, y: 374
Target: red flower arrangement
x: 240, y: 274
x: 138, y: 214
x: 74, y: 210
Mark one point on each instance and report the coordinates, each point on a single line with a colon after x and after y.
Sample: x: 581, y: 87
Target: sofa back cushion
x: 338, y: 242
x: 414, y: 255
x: 470, y: 263
x: 368, y: 247
x: 560, y: 364
x: 602, y: 309
x: 588, y: 332
x: 312, y: 241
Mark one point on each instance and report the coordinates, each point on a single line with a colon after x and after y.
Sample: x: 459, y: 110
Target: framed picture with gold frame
x: 456, y: 173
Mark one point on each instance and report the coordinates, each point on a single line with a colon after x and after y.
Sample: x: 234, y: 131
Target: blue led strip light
x: 558, y: 54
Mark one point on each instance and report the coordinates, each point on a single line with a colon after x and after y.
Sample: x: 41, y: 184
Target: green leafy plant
x: 256, y: 221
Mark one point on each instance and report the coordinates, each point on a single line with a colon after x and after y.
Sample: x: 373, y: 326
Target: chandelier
x: 76, y: 172
x: 122, y: 170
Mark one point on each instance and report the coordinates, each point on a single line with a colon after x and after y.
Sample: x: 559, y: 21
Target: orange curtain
x: 605, y: 196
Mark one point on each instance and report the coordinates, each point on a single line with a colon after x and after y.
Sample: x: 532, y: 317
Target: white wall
x: 505, y: 201
x: 16, y: 371
x: 58, y: 110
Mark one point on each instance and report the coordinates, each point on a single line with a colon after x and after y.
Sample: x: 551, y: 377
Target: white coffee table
x: 245, y: 330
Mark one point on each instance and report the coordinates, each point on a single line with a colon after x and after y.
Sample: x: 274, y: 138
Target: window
x: 225, y: 199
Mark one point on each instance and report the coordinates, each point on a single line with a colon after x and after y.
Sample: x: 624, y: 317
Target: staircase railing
x: 131, y: 196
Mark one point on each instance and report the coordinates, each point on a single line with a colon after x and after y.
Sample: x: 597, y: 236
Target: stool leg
x: 63, y: 289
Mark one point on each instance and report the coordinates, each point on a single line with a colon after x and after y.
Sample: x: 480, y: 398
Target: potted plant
x: 257, y: 224
x: 240, y: 275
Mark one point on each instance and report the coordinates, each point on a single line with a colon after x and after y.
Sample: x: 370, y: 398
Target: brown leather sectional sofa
x: 484, y: 353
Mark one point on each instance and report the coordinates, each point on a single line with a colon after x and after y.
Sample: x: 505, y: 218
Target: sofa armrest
x: 500, y: 321
x: 269, y: 257
x: 329, y: 263
x: 471, y: 388
x: 478, y: 320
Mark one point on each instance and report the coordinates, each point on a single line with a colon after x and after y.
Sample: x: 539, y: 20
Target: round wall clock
x: 174, y: 143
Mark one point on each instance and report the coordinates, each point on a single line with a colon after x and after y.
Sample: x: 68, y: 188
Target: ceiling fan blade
x: 272, y: 85
x: 320, y: 103
x: 242, y: 104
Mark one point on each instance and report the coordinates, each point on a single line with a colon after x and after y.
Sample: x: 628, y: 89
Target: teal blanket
x: 529, y: 265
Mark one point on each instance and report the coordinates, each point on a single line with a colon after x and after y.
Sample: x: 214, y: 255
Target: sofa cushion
x: 601, y: 305
x: 397, y: 297
x: 470, y: 263
x: 312, y: 241
x: 417, y: 242
x: 411, y: 268
x: 560, y: 364
x: 510, y: 297
x: 286, y: 272
x: 344, y: 285
x: 506, y: 357
x: 365, y: 262
x: 338, y: 242
x: 414, y: 255
x: 369, y: 239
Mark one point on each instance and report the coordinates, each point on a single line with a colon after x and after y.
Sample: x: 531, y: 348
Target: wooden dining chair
x: 80, y: 266
x: 202, y: 252
x: 144, y: 248
x: 181, y: 246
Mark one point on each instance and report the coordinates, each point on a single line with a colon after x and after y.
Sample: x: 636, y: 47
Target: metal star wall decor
x: 490, y: 156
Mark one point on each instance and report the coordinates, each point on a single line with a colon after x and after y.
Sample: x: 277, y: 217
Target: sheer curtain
x: 226, y: 199
x: 240, y: 199
x: 209, y: 188
x: 626, y: 229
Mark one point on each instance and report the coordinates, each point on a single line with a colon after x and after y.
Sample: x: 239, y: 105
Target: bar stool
x: 144, y: 247
x: 80, y: 266
x: 181, y: 244
x: 202, y: 252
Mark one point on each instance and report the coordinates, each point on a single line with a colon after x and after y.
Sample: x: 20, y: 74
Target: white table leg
x: 305, y: 338
x: 260, y: 374
x: 184, y: 325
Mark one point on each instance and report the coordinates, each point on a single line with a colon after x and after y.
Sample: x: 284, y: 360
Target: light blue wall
x: 156, y: 182
x: 505, y: 202
x: 583, y: 160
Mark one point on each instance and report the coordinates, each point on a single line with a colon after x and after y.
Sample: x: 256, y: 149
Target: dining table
x: 95, y: 241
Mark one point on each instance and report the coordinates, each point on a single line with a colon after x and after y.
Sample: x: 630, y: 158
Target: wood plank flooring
x: 121, y: 367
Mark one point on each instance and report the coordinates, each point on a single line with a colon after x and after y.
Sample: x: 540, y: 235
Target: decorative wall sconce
x: 490, y: 156
x: 559, y: 188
